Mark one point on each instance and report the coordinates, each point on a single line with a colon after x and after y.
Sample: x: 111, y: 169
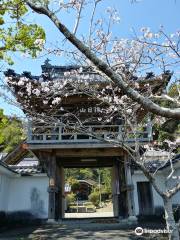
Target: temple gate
x: 78, y: 134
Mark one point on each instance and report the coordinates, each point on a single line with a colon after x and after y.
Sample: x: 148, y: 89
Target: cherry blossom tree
x: 123, y: 63
x: 42, y: 100
x: 101, y: 49
x: 96, y: 49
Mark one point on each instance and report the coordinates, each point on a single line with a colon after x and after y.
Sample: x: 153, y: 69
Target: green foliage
x: 74, y: 184
x: 170, y: 129
x: 94, y: 198
x: 3, y: 124
x: 88, y: 204
x: 106, y: 180
x: 85, y: 173
x: 71, y: 198
x: 79, y: 173
x: 11, y: 132
x: 72, y: 175
x: 173, y: 90
x: 16, y: 34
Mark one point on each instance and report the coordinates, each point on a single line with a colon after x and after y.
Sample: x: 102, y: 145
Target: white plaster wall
x: 157, y: 200
x: 30, y: 194
x: 4, y: 191
x: 176, y: 198
x: 172, y: 183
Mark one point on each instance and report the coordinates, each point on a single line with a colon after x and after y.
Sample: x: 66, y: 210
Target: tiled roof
x: 27, y: 170
x: 160, y: 163
x: 88, y: 181
x: 2, y: 155
x: 29, y: 162
x: 153, y: 154
x: 27, y: 166
x: 6, y: 166
x: 175, y: 159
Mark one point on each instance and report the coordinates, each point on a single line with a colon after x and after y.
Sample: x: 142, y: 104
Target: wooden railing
x: 95, y: 133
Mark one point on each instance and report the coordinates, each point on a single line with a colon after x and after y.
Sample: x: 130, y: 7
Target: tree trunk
x: 172, y: 227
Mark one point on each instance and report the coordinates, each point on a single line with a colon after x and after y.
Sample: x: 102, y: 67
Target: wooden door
x: 145, y: 198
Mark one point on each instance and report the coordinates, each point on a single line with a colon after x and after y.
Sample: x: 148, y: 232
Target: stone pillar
x: 130, y: 190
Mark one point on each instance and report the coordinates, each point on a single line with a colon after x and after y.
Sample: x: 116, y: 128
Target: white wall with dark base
x: 24, y: 193
x: 29, y: 193
x: 156, y: 198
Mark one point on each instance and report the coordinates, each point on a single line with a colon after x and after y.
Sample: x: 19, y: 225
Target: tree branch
x: 170, y: 193
x: 146, y: 103
x: 149, y: 177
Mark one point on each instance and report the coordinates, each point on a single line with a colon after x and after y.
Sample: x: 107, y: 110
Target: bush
x: 94, y: 198
x: 105, y: 196
x: 74, y: 183
x: 87, y: 203
x: 71, y: 198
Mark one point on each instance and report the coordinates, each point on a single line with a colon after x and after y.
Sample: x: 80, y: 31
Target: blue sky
x: 150, y: 13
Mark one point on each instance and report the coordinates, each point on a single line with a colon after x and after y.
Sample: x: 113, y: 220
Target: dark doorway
x: 145, y: 198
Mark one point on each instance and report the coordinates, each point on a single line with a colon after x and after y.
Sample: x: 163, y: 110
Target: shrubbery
x: 71, y: 198
x: 94, y: 198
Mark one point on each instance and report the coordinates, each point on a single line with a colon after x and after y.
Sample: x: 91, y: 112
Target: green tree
x: 79, y: 173
x: 15, y: 34
x: 11, y: 132
x: 170, y: 129
x: 3, y: 124
x: 106, y: 179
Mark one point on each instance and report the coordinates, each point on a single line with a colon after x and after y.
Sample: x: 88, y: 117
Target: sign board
x: 67, y: 187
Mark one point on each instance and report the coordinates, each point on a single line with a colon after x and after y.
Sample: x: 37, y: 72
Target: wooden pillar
x: 130, y: 189
x: 48, y: 161
x: 123, y: 208
x: 115, y: 189
x: 60, y: 195
x: 55, y: 173
x: 53, y: 190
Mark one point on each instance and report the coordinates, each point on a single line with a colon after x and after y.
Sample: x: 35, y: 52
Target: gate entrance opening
x: 88, y: 192
x: 65, y: 202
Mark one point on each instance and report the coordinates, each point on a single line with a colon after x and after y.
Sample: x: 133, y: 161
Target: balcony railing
x: 89, y: 134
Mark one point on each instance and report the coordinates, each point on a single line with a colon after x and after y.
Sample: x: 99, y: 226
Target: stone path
x: 89, y: 215
x: 73, y: 232
x: 106, y: 211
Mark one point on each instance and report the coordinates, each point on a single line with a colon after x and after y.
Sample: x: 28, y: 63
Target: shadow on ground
x: 73, y: 232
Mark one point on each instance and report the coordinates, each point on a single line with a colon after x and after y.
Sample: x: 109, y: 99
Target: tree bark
x: 172, y: 227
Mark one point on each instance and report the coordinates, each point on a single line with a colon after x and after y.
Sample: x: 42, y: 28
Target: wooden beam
x: 87, y: 153
x: 18, y: 153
